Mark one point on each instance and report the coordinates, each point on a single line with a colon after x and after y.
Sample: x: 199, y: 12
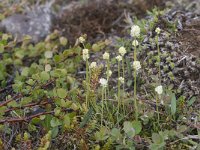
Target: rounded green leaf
x: 62, y: 93
x: 137, y: 126
x: 44, y: 76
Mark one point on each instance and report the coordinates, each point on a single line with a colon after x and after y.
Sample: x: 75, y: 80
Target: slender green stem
x: 108, y: 68
x: 106, y: 103
x: 102, y: 106
x: 118, y: 84
x: 118, y: 107
x: 158, y: 47
x: 87, y: 83
x: 123, y: 72
x: 135, y: 86
x: 157, y: 109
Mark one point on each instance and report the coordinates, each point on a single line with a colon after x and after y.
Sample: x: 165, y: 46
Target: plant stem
x: 135, y: 85
x: 106, y: 103
x: 123, y: 72
x: 118, y: 107
x: 108, y: 68
x: 158, y: 47
x: 102, y: 106
x: 157, y: 110
x: 87, y: 83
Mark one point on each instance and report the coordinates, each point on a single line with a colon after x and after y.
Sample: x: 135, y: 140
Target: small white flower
x: 106, y: 56
x: 136, y: 65
x: 135, y: 31
x: 93, y: 65
x: 103, y: 82
x: 135, y: 43
x: 47, y: 67
x: 48, y: 54
x: 122, y: 51
x: 158, y: 30
x: 109, y: 73
x: 85, y: 54
x: 81, y: 39
x: 119, y: 58
x: 121, y: 80
x: 159, y: 89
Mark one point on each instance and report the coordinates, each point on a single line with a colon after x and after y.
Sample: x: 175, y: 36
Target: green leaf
x: 137, y: 126
x: 55, y: 122
x: 191, y: 101
x: 47, y: 121
x: 44, y: 76
x: 54, y: 132
x: 86, y: 118
x: 12, y: 104
x: 48, y: 54
x: 1, y: 48
x: 2, y: 110
x: 101, y: 135
x: 25, y: 71
x: 66, y: 120
x: 62, y: 93
x: 128, y: 129
x: 57, y: 58
x: 25, y: 100
x: 173, y: 104
x: 57, y: 111
x: 157, y: 138
x: 116, y: 134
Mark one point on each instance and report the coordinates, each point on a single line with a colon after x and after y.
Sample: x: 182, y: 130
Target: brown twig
x: 8, y: 101
x: 26, y: 119
x: 28, y: 105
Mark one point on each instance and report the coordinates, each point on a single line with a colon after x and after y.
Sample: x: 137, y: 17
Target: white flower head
x: 93, y: 65
x: 48, y: 54
x: 135, y: 31
x: 122, y: 51
x: 106, y: 56
x: 85, y: 54
x: 159, y: 89
x: 136, y: 65
x: 135, y: 43
x: 109, y: 73
x: 121, y: 80
x: 103, y: 82
x: 81, y: 39
x: 119, y: 58
x: 158, y: 30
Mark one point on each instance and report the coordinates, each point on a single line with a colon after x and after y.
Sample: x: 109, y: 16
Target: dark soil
x: 99, y: 19
x: 190, y: 36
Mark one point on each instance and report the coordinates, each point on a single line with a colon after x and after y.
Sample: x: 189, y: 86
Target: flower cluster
x: 121, y: 80
x: 103, y: 82
x: 122, y: 51
x: 159, y: 89
x: 136, y: 65
x: 135, y: 43
x: 158, y: 30
x: 119, y: 58
x: 93, y: 65
x: 109, y: 73
x: 81, y: 39
x: 106, y: 56
x: 85, y: 54
x: 135, y: 31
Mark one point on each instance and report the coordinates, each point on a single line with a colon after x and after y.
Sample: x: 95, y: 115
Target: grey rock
x: 36, y: 22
